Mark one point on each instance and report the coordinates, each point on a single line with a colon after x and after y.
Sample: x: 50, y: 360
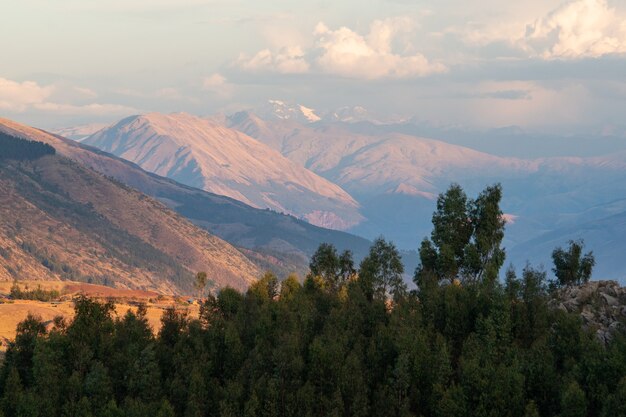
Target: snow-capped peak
x: 309, y: 114
x: 278, y: 109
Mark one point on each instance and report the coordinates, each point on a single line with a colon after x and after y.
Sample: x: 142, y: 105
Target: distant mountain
x: 60, y: 219
x: 78, y: 133
x: 348, y: 115
x: 272, y: 240
x: 511, y: 141
x: 396, y: 177
x: 281, y: 110
x: 605, y: 236
x: 206, y: 155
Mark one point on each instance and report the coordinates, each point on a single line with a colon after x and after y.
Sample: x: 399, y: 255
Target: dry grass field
x: 14, y: 311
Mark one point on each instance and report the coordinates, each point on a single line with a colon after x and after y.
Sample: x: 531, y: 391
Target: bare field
x: 14, y: 311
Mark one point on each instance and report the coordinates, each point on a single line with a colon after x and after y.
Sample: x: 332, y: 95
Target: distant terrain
x: 395, y: 173
x: 272, y: 240
x: 200, y: 153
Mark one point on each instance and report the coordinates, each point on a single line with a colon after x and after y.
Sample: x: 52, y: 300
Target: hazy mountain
x: 396, y: 178
x: 605, y: 236
x: 206, y: 155
x: 348, y: 115
x: 62, y: 220
x: 511, y: 141
x: 280, y: 110
x: 78, y: 133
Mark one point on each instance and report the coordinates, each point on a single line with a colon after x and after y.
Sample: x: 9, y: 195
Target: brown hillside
x: 273, y: 241
x: 61, y: 220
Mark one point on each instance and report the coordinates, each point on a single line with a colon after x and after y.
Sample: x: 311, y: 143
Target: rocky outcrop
x: 600, y: 304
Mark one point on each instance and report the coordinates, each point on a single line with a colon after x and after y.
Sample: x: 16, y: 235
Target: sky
x: 545, y: 65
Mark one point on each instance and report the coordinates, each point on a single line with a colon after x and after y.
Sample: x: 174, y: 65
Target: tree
x: 200, y: 283
x: 573, y: 403
x: 483, y: 256
x: 12, y: 395
x: 571, y: 267
x: 466, y: 238
x: 333, y: 268
x: 289, y: 287
x: 452, y: 230
x: 265, y: 289
x: 380, y: 272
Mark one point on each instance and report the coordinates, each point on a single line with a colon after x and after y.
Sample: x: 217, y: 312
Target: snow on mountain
x: 349, y: 115
x: 78, y: 133
x: 204, y: 154
x: 280, y: 110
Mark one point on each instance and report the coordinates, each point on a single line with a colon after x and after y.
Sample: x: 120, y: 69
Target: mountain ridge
x: 61, y: 219
x: 206, y: 155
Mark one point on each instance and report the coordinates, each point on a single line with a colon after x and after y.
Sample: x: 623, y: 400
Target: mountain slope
x: 276, y: 241
x: 396, y: 178
x: 604, y: 236
x: 61, y: 220
x: 205, y: 155
x: 78, y: 133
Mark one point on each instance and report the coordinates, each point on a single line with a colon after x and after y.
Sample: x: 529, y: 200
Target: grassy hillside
x: 61, y: 220
x: 271, y: 239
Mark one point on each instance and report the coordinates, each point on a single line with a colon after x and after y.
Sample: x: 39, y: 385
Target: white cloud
x: 19, y: 97
x: 349, y: 54
x: 218, y: 85
x: 287, y: 60
x: 16, y: 96
x: 346, y: 53
x: 581, y: 28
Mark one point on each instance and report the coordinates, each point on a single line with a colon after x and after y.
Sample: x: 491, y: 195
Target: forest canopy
x: 12, y: 147
x: 347, y: 341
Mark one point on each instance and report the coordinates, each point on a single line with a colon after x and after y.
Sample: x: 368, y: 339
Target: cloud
x: 346, y: 53
x: 581, y: 28
x: 218, y: 85
x: 20, y: 97
x: 383, y: 53
x: 287, y: 60
x: 16, y: 96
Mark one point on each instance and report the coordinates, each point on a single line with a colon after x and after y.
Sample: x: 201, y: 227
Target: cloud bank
x: 19, y: 97
x: 382, y: 53
x: 582, y: 28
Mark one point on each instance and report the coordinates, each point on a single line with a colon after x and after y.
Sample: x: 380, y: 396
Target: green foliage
x: 466, y: 237
x: 381, y: 271
x: 458, y: 350
x: 571, y: 267
x: 573, y: 403
x: 37, y: 294
x: 200, y: 283
x: 333, y: 268
x: 12, y: 147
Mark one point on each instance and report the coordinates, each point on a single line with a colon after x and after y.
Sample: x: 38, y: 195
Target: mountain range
x: 394, y: 175
x: 271, y: 240
x: 202, y: 154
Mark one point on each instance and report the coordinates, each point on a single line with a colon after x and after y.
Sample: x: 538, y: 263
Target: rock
x: 601, y: 306
x: 610, y: 300
x: 588, y: 317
